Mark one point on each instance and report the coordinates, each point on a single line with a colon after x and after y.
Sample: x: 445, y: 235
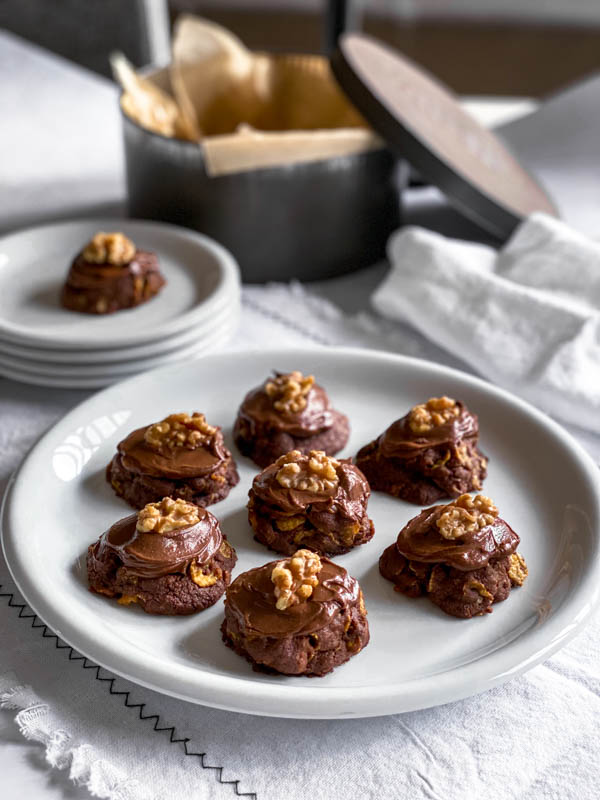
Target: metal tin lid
x: 422, y: 121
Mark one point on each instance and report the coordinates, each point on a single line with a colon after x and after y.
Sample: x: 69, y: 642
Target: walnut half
x: 109, y: 248
x: 436, y: 411
x: 466, y: 515
x: 315, y: 472
x: 167, y: 515
x: 295, y: 578
x: 179, y: 430
x: 288, y: 392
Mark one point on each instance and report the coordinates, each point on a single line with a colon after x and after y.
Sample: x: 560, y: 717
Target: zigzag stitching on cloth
x: 73, y: 655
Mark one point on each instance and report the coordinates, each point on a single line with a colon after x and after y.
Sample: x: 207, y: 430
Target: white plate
x: 543, y: 482
x: 78, y: 355
x: 226, y: 319
x: 34, y: 264
x: 210, y: 344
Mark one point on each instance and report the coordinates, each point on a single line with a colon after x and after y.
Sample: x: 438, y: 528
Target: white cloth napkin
x: 526, y: 317
x: 534, y: 738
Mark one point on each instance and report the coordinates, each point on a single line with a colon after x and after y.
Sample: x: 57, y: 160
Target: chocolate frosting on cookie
x: 85, y: 275
x: 251, y: 598
x: 152, y: 555
x: 349, y: 495
x: 399, y: 441
x: 258, y: 413
x: 137, y: 456
x: 420, y: 540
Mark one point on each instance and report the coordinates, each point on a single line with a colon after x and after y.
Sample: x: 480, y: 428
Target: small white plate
x: 34, y: 263
x: 225, y: 320
x: 97, y: 378
x: 543, y: 482
x: 112, y: 354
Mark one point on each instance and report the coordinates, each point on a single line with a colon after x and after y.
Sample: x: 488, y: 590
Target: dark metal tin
x: 307, y: 221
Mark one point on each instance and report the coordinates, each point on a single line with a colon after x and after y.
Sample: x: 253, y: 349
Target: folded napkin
x: 527, y: 317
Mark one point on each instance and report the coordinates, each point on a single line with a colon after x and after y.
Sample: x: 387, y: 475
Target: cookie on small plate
x: 462, y: 556
x: 304, y: 615
x: 288, y: 412
x: 111, y: 274
x: 169, y: 558
x: 312, y: 501
x: 180, y: 456
x: 428, y: 454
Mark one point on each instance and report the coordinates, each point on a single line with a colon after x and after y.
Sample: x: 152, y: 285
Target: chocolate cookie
x: 111, y: 274
x: 300, y: 616
x: 428, y: 454
x: 310, y: 501
x: 170, y: 558
x: 288, y: 412
x: 181, y: 456
x: 463, y: 556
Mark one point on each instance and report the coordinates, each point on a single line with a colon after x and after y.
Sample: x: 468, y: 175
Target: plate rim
x: 225, y: 320
x: 95, y: 383
x: 229, y: 284
x: 242, y: 695
x: 112, y: 354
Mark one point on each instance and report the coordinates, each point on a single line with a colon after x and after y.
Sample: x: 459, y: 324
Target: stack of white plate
x: 44, y: 344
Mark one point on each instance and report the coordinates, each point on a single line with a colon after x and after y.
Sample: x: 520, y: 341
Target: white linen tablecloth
x: 534, y: 738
